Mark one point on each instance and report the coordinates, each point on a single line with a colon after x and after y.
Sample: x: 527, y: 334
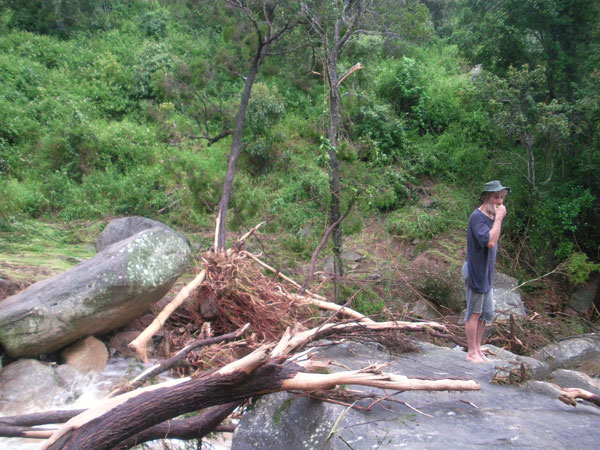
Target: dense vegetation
x: 110, y: 107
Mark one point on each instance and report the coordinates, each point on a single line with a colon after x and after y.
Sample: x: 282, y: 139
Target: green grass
x: 31, y: 250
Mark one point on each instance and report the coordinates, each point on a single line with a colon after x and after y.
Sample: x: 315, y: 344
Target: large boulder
x: 571, y: 353
x: 497, y: 416
x: 94, y: 297
x: 506, y: 297
x: 87, y: 355
x: 30, y: 385
x: 125, y: 227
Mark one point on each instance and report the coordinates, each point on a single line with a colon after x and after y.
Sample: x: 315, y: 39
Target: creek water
x: 89, y: 390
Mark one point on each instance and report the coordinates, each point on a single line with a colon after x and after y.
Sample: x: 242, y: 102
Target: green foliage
x: 381, y: 134
x: 265, y: 109
x: 154, y: 59
x: 441, y: 290
x: 579, y: 268
x: 364, y: 300
x: 423, y: 222
x: 556, y: 34
x: 59, y: 17
x: 104, y: 107
x: 400, y: 87
x: 154, y: 23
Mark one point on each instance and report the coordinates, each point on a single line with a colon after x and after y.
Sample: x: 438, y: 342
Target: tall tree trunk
x: 335, y: 103
x: 236, y: 146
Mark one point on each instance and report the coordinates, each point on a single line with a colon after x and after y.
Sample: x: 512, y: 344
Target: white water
x: 92, y: 389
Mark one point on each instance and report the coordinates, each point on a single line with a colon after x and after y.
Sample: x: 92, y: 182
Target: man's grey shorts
x: 478, y: 303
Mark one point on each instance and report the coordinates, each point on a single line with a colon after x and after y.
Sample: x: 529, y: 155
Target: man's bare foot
x: 484, y: 357
x: 475, y: 359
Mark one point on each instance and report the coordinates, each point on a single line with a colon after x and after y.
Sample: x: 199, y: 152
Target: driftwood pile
x: 258, y: 316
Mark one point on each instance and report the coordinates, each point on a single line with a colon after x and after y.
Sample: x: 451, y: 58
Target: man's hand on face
x: 500, y: 211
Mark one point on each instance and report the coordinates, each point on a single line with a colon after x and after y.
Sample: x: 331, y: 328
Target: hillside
x: 116, y: 108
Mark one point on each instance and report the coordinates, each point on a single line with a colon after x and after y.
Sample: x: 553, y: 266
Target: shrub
x: 441, y: 290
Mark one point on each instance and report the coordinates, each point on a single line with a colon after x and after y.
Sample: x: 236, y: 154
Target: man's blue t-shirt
x: 481, y: 260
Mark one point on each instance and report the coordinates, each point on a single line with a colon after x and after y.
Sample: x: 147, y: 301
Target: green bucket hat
x: 494, y: 186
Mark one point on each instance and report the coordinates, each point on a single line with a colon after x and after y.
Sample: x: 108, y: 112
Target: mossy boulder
x: 94, y: 297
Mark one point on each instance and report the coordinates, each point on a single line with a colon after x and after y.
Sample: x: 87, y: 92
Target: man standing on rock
x: 483, y: 232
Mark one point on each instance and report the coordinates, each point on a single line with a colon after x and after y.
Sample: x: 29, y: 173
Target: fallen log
x: 104, y: 431
x: 170, y: 362
x: 570, y: 396
x: 26, y: 432
x: 42, y: 418
x: 193, y: 428
x: 139, y: 343
x: 259, y: 373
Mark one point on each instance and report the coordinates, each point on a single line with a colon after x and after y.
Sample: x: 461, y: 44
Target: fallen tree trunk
x: 105, y: 431
x: 168, y: 363
x: 259, y: 373
x: 192, y: 428
x: 33, y: 419
x: 26, y: 432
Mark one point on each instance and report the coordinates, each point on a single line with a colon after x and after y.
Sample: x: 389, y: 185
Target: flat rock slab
x: 497, y: 416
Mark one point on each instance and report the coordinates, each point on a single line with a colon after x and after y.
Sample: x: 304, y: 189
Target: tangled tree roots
x: 243, y: 294
x: 237, y: 290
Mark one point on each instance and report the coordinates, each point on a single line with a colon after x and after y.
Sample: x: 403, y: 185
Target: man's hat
x: 494, y: 186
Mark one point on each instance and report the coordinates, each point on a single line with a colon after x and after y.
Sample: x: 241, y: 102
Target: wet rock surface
x: 498, y: 416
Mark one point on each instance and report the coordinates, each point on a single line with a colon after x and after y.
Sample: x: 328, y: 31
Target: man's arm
x: 497, y: 227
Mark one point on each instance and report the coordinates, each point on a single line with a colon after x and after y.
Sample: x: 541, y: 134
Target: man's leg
x: 472, y: 330
x: 479, y: 340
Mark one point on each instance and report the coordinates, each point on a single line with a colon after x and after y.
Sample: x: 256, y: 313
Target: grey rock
x: 497, y: 416
x: 87, y: 355
x: 352, y: 256
x: 582, y: 299
x: 506, y: 298
x: 118, y: 344
x: 125, y: 227
x: 571, y: 353
x: 306, y: 231
x: 422, y: 309
x: 32, y: 385
x: 574, y: 379
x: 505, y: 360
x: 94, y: 297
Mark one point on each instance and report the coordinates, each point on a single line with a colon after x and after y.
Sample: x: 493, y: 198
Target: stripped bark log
x: 293, y: 342
x: 139, y: 343
x: 570, y: 396
x: 169, y: 363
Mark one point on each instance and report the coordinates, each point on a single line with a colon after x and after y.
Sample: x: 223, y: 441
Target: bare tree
x: 334, y: 23
x: 269, y: 24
